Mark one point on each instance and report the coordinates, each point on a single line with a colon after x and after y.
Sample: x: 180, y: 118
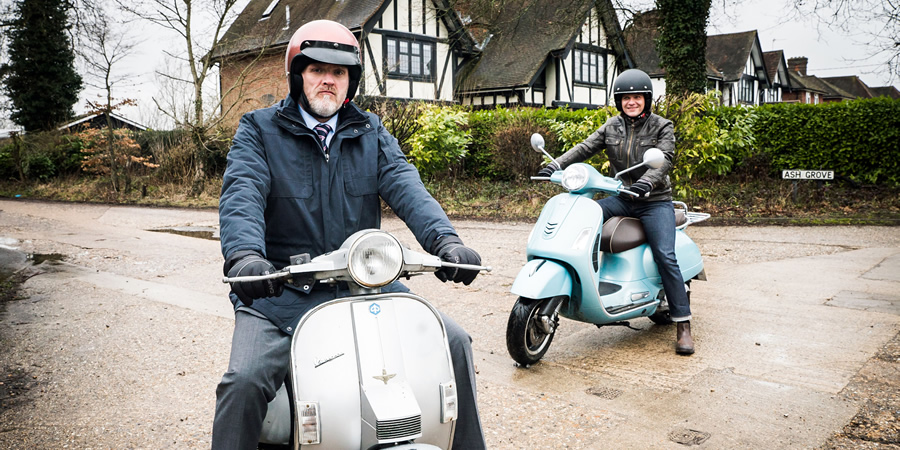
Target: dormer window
x: 269, y: 9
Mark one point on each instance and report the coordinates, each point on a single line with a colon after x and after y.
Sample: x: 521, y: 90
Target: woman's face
x: 633, y: 104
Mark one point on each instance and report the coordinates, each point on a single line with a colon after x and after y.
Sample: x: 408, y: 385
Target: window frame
x: 416, y: 47
x: 599, y: 70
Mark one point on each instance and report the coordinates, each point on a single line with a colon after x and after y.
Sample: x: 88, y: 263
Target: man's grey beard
x: 324, y: 107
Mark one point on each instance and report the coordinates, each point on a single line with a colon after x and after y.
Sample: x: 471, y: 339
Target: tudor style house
x: 409, y: 49
x: 535, y: 53
x: 546, y: 53
x: 778, y: 75
x: 735, y: 64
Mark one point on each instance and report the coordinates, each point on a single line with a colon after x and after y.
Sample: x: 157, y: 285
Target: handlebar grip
x: 628, y: 192
x: 466, y: 266
x: 271, y: 276
x: 540, y: 178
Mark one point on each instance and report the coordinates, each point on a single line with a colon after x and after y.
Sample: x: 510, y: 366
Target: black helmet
x: 323, y: 41
x: 633, y: 81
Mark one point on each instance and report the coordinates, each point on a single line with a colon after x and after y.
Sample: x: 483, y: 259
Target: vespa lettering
x: 319, y: 362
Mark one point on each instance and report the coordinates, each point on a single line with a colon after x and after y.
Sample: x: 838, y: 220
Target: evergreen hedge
x: 859, y: 139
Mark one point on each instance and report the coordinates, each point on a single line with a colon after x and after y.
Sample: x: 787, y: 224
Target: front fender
x: 541, y: 278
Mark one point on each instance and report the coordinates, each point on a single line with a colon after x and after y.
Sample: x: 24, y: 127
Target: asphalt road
x: 121, y: 334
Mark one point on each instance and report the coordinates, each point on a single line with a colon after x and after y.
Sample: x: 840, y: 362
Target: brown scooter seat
x: 625, y: 233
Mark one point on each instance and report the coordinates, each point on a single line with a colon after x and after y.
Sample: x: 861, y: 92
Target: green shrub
x: 700, y: 144
x: 441, y: 141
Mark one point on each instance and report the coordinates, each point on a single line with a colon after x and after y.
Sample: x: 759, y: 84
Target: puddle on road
x: 40, y: 258
x: 210, y: 233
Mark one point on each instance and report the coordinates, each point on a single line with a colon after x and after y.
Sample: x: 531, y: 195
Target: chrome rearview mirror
x: 654, y: 158
x: 537, y: 142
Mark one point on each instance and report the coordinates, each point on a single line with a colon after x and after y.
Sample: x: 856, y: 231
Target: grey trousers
x: 259, y: 362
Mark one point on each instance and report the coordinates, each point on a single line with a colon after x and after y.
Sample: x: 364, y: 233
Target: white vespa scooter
x: 371, y: 370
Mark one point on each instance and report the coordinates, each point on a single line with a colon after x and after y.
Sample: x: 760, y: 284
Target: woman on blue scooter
x: 625, y: 138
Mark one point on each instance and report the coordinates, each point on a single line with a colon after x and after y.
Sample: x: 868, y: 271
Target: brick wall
x: 263, y: 85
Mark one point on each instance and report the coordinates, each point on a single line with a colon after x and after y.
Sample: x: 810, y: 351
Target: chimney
x: 798, y: 64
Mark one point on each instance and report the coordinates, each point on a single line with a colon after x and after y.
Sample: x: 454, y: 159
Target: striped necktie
x: 322, y: 131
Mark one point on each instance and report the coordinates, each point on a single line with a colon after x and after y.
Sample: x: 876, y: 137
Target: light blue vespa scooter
x: 588, y: 269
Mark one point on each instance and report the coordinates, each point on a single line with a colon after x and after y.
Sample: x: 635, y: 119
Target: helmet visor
x: 330, y: 52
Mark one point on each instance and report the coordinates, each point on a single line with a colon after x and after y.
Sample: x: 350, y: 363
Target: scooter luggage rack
x: 692, y: 217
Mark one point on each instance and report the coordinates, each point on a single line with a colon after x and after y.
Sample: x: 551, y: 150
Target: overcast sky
x: 830, y: 53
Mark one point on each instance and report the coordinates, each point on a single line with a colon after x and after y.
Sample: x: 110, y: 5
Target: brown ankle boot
x: 684, y: 344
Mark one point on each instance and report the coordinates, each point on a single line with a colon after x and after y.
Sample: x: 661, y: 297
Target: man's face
x: 325, y: 86
x: 633, y: 104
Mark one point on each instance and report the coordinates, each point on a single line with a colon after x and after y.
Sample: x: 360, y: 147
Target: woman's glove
x: 248, y: 264
x: 451, y: 249
x: 641, y: 188
x: 548, y: 170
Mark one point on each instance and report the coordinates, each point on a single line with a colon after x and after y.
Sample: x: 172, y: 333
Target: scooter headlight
x: 375, y: 259
x: 575, y: 177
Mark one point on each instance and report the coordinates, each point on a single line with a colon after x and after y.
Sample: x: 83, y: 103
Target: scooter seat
x: 625, y: 233
x: 621, y: 233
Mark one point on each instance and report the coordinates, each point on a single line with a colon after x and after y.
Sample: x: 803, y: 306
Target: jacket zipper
x: 327, y: 155
x: 628, y: 148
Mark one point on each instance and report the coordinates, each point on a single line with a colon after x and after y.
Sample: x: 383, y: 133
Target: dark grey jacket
x: 625, y: 141
x: 280, y: 197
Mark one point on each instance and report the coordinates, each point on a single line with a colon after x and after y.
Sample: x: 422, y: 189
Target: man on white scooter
x: 301, y: 177
x: 625, y: 138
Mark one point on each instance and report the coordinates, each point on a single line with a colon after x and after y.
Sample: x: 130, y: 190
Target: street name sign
x: 807, y: 174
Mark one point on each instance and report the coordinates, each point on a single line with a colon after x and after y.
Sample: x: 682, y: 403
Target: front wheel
x: 527, y: 336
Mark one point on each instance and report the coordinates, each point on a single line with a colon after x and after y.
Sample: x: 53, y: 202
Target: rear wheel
x: 527, y: 334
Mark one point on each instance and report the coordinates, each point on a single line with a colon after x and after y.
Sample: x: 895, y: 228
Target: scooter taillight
x: 448, y: 402
x: 308, y: 415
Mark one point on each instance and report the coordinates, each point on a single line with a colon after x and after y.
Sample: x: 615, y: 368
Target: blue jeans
x: 260, y: 356
x: 658, y: 218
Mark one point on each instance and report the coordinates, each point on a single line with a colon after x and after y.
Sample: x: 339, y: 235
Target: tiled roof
x: 850, y: 84
x: 885, y: 91
x: 813, y: 83
x: 773, y: 59
x: 726, y: 54
x: 519, y: 41
x: 249, y: 33
x: 729, y: 52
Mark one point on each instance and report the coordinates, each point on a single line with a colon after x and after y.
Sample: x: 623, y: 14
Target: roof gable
x: 521, y: 38
x: 730, y: 52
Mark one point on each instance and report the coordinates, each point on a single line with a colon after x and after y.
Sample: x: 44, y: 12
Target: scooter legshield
x: 375, y: 365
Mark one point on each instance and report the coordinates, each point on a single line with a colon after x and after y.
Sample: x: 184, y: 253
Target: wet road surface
x: 122, y: 342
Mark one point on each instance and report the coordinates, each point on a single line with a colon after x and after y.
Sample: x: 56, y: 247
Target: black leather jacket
x: 625, y: 141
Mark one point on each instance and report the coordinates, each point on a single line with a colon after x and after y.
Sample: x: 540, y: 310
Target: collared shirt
x: 311, y: 122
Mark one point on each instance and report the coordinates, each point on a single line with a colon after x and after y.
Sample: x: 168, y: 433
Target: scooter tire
x: 525, y: 341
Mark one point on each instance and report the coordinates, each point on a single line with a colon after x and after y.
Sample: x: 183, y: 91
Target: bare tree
x: 199, y: 25
x: 102, y: 52
x: 872, y: 23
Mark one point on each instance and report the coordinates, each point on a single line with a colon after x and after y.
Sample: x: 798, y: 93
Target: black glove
x: 451, y: 249
x: 548, y: 170
x: 641, y: 188
x: 248, y: 264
